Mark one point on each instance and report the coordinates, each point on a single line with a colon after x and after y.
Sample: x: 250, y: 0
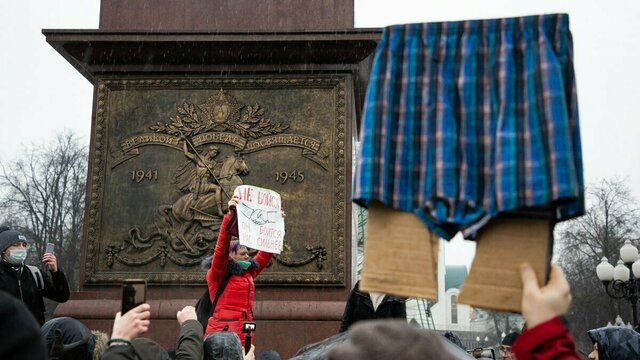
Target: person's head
x: 451, y: 336
x: 13, y: 246
x: 392, y: 338
x: 69, y: 339
x: 506, y: 350
x: 223, y: 345
x: 238, y: 252
x: 212, y: 152
x: 614, y: 342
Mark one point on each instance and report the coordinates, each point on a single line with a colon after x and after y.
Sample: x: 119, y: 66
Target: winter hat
x: 510, y: 339
x: 68, y: 339
x: 451, y: 336
x: 10, y: 237
x: 393, y: 339
x: 223, y: 345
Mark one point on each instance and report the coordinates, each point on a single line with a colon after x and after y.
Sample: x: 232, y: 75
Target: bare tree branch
x: 611, y: 218
x: 42, y: 193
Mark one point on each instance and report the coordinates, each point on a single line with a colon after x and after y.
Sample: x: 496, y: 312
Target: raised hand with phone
x: 133, y: 293
x: 49, y: 258
x: 132, y: 324
x: 134, y: 320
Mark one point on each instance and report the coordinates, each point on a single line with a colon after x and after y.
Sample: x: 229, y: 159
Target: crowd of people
x: 374, y: 326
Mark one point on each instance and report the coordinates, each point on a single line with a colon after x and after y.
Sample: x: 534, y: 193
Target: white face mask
x: 18, y: 256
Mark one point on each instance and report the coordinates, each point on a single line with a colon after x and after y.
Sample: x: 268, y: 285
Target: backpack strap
x: 37, y: 276
x: 221, y: 287
x: 205, y: 307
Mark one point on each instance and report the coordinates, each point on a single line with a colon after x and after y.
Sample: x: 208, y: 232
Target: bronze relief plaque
x: 168, y: 153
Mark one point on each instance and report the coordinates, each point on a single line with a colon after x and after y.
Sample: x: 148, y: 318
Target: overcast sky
x: 41, y: 93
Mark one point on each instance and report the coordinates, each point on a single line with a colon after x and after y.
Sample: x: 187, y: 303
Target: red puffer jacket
x: 235, y: 305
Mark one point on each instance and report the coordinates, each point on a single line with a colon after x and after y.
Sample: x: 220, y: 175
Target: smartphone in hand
x: 50, y: 248
x: 133, y: 294
x: 247, y: 328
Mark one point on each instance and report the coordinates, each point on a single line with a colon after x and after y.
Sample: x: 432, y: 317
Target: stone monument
x: 192, y: 99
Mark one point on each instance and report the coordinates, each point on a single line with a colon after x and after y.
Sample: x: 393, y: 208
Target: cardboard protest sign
x: 260, y: 222
x: 502, y: 245
x: 400, y: 254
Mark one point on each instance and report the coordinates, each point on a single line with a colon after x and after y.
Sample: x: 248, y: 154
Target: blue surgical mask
x: 18, y: 256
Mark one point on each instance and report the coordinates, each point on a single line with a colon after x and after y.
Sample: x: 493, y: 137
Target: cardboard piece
x: 502, y: 245
x: 400, y: 254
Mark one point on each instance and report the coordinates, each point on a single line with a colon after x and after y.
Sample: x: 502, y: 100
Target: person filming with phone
x: 26, y: 282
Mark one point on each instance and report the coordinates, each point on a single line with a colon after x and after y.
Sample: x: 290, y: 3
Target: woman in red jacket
x: 235, y: 304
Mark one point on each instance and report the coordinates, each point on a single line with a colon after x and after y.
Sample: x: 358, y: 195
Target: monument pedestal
x: 300, y: 299
x: 284, y: 326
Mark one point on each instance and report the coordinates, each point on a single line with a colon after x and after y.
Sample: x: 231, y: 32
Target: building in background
x: 447, y: 314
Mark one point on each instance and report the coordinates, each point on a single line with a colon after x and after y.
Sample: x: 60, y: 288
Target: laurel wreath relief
x: 221, y: 112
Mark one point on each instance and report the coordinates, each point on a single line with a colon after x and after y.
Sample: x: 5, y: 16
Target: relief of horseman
x: 204, y: 194
x: 204, y: 185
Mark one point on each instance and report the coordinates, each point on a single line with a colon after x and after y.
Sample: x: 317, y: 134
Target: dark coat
x: 20, y: 332
x: 360, y: 307
x: 235, y: 304
x: 56, y: 287
x: 616, y: 342
x: 189, y: 346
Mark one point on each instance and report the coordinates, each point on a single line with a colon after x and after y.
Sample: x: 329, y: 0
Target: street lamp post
x: 623, y: 281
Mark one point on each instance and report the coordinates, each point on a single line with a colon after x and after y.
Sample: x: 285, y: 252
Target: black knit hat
x: 10, y: 237
x: 510, y: 338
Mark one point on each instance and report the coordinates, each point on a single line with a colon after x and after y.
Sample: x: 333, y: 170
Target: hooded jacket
x: 617, y: 343
x: 235, y: 304
x: 360, y: 307
x: 68, y: 339
x: 223, y: 346
x: 19, y: 282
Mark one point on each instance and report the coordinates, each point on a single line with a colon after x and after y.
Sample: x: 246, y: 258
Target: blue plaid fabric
x: 467, y: 120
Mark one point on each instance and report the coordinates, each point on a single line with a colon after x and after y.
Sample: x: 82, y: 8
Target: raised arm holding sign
x: 235, y: 304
